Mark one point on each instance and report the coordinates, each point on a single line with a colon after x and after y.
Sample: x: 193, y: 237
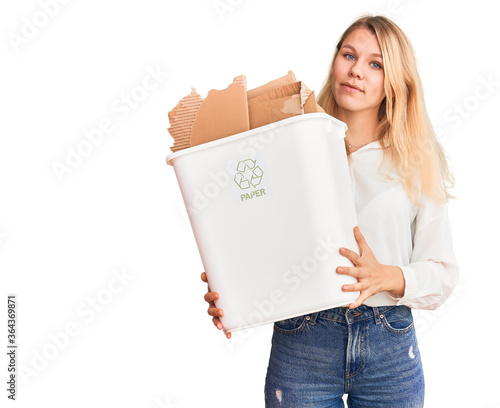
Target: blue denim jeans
x: 369, y: 353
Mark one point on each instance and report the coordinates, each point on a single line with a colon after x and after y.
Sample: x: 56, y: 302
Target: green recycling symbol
x: 248, y: 174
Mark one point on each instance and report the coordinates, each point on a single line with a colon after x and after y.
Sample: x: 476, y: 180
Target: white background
x: 119, y: 209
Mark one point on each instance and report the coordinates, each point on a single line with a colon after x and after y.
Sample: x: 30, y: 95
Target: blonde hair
x: 404, y: 129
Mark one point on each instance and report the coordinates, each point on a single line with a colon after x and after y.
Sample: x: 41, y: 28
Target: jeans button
x: 308, y: 318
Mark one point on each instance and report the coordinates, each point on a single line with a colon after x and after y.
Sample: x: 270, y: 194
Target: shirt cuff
x: 410, y: 284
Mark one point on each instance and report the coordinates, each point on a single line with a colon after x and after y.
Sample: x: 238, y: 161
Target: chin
x: 348, y: 105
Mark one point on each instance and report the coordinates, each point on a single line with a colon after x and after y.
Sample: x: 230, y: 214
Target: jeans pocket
x: 397, y: 319
x: 293, y: 325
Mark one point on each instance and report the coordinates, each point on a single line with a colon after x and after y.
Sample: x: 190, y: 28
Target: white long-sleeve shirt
x: 418, y: 240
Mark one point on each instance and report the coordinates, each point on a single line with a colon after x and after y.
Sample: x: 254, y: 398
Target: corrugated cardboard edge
x: 276, y: 93
x: 181, y: 120
x: 311, y: 106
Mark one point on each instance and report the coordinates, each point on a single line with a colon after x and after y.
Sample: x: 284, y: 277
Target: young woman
x: 368, y: 350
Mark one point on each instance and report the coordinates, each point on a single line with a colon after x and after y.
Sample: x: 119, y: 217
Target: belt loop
x: 376, y: 314
x: 311, y: 317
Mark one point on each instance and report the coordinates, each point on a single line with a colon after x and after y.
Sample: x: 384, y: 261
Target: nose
x: 356, y: 71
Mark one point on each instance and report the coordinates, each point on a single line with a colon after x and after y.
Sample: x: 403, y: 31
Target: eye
x: 349, y: 55
x: 378, y: 66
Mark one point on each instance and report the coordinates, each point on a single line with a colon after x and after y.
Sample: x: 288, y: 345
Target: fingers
x: 228, y: 335
x: 346, y: 270
x: 211, y: 297
x: 362, y: 244
x: 214, y: 311
x: 358, y: 235
x: 218, y: 324
x: 355, y: 287
x: 360, y: 239
x: 364, y: 293
x: 351, y: 255
x: 359, y: 301
x: 363, y: 247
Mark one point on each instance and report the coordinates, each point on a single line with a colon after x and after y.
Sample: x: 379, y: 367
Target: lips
x: 351, y: 87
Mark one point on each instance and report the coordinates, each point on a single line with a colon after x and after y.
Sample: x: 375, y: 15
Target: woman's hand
x: 211, y: 297
x: 372, y: 276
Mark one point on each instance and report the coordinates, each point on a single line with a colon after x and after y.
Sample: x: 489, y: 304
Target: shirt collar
x: 372, y: 145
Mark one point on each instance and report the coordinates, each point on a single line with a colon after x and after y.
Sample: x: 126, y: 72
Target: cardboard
x: 311, y: 106
x: 277, y: 83
x: 222, y: 113
x: 234, y: 110
x: 275, y: 93
x: 281, y: 103
x: 181, y: 119
x: 308, y: 100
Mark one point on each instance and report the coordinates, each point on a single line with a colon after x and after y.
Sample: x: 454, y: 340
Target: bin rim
x: 250, y: 132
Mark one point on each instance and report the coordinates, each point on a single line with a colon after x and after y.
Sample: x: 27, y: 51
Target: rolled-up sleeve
x: 432, y: 273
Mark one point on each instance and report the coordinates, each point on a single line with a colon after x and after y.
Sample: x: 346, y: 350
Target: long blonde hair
x: 404, y: 128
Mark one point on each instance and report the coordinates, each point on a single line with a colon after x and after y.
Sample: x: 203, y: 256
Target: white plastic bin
x: 270, y: 208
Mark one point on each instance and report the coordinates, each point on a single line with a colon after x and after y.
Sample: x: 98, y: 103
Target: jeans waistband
x: 344, y: 314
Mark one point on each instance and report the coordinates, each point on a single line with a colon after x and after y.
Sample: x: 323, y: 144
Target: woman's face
x: 358, y: 64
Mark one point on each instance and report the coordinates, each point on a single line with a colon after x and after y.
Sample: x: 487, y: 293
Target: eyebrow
x: 354, y: 49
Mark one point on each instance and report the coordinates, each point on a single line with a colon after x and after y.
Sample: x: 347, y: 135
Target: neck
x: 361, y: 126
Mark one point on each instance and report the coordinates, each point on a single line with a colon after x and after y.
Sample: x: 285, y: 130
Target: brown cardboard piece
x: 222, y: 113
x: 276, y: 83
x: 281, y: 103
x: 311, y: 106
x: 181, y: 120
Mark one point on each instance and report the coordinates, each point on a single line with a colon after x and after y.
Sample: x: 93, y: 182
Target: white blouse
x: 418, y: 240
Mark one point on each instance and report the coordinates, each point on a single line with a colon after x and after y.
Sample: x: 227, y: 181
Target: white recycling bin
x: 270, y: 208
